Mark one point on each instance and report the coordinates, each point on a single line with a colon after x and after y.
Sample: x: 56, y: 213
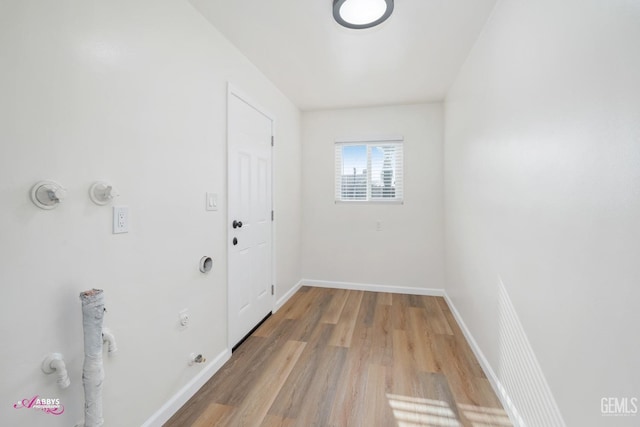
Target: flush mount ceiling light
x: 360, y: 14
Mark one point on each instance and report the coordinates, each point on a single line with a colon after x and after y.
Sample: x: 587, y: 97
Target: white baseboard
x: 167, y: 410
x: 284, y: 298
x: 374, y: 288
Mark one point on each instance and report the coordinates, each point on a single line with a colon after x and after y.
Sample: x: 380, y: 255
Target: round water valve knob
x: 47, y: 194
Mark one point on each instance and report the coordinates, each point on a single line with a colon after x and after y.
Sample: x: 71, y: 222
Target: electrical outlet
x: 184, y: 317
x: 378, y: 225
x: 120, y: 219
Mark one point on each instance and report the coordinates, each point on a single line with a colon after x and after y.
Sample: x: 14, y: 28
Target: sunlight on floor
x: 420, y: 412
x: 481, y: 416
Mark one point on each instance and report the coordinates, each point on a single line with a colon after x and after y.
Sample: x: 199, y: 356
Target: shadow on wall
x: 521, y: 383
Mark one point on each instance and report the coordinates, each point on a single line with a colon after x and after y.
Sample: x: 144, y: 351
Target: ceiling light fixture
x: 360, y: 14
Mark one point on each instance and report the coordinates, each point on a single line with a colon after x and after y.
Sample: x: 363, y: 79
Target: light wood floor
x: 334, y: 357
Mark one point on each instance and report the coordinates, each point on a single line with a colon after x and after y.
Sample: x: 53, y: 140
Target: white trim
x: 374, y: 287
x: 176, y: 402
x: 372, y: 139
x: 284, y: 298
x: 369, y: 202
x: 512, y: 412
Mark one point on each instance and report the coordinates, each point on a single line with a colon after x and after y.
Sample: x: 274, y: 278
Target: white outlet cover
x: 120, y: 219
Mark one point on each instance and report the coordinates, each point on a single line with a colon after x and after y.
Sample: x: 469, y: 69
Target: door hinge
x: 272, y: 143
x: 272, y: 215
x: 272, y: 289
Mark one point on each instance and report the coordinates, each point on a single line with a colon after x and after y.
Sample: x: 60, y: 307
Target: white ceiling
x: 413, y: 57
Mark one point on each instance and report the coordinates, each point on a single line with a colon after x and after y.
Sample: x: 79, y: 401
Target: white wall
x: 542, y: 193
x: 133, y: 92
x: 340, y: 241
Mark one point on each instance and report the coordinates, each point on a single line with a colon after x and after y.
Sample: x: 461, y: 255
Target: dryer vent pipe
x: 92, y: 369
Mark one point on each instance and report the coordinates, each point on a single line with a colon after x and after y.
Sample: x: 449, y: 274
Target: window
x: 369, y: 171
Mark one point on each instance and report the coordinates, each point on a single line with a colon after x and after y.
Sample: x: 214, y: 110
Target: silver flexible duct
x: 92, y: 369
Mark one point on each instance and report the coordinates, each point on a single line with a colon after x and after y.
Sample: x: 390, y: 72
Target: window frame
x: 369, y: 143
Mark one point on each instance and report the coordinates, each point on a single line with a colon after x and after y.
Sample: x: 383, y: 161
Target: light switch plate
x: 212, y: 202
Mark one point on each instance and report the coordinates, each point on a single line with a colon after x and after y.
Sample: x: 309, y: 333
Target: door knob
x: 237, y: 224
x: 235, y: 241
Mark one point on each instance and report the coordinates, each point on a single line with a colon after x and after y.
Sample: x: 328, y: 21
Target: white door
x: 249, y: 219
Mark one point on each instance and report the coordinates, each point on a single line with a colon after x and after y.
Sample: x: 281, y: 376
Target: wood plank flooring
x: 333, y: 357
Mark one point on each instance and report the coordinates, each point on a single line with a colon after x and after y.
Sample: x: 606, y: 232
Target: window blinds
x: 369, y: 171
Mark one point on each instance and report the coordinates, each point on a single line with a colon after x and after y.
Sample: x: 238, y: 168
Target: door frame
x: 232, y: 90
